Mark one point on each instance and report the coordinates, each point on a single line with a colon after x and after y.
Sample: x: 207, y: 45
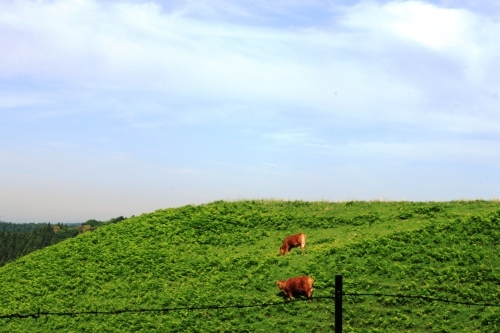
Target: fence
x: 337, y: 297
x: 40, y: 313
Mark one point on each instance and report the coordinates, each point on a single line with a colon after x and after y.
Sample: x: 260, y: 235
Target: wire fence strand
x: 425, y: 298
x: 166, y: 310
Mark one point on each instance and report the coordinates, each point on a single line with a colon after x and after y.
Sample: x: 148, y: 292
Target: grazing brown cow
x: 297, y: 285
x: 293, y: 241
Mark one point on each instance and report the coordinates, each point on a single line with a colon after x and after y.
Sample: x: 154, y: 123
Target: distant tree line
x: 19, y: 239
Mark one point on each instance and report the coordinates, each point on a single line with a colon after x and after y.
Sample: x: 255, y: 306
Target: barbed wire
x: 40, y: 313
x: 425, y: 298
x: 166, y: 310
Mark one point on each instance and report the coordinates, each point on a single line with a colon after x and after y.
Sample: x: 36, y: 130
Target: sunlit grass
x: 228, y: 253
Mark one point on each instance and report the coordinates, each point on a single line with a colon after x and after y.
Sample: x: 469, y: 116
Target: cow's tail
x: 311, y: 283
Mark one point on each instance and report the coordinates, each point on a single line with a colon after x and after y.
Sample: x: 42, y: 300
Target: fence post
x: 338, y: 303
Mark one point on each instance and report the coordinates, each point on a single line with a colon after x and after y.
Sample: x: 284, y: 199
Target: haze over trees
x: 19, y: 239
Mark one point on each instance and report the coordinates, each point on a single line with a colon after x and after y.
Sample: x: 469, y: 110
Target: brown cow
x: 293, y: 241
x: 297, y: 285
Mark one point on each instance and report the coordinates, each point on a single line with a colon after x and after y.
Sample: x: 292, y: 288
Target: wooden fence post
x: 338, y: 303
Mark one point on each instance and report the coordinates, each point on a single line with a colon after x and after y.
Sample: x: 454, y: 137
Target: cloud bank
x: 154, y: 104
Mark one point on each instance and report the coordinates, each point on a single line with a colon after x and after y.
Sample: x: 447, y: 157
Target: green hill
x: 227, y: 253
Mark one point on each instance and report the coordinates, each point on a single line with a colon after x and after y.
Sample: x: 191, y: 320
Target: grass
x: 227, y: 253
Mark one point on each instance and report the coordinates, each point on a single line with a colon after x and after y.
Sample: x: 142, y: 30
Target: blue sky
x: 112, y: 108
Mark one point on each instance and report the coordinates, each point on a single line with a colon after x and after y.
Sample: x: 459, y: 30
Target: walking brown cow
x: 297, y: 285
x: 293, y: 241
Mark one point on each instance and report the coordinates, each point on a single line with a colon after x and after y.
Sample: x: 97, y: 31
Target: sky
x: 118, y: 108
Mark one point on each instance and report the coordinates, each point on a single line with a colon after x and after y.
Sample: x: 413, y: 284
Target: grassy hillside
x: 227, y: 253
x: 19, y: 239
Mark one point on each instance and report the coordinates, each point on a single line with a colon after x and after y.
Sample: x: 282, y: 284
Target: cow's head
x: 280, y: 284
x: 282, y: 251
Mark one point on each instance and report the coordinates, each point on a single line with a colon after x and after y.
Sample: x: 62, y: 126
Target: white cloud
x: 148, y: 91
x: 142, y: 46
x: 396, y: 62
x: 424, y: 23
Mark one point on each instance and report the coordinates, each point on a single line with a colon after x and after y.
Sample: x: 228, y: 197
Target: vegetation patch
x: 227, y: 253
